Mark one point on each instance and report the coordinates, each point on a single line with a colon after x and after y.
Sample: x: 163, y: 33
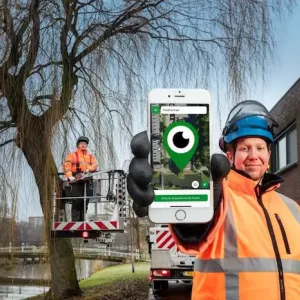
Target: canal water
x: 84, y: 269
x: 18, y: 292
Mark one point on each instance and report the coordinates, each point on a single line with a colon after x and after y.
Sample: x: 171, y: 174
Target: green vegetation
x: 117, y: 273
x: 115, y: 283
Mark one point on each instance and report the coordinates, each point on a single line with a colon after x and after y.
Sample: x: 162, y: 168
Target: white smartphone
x: 180, y: 130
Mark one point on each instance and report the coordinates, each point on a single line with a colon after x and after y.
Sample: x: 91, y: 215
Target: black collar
x: 267, y: 182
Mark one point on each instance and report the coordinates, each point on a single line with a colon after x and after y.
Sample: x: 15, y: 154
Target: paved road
x: 176, y: 291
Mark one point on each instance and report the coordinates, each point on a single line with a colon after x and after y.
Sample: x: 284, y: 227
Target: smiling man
x: 250, y: 155
x: 250, y: 249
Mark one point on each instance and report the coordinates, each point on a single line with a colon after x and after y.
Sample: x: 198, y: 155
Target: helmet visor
x: 245, y: 109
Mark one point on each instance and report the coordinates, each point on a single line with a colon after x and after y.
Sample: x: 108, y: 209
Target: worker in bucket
x: 77, y: 164
x: 250, y: 249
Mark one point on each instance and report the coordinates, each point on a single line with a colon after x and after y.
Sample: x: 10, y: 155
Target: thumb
x: 220, y: 167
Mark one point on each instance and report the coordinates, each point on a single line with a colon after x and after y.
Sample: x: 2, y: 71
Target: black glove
x: 140, y: 175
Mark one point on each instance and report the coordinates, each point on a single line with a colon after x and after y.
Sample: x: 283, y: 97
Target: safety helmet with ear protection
x: 248, y: 118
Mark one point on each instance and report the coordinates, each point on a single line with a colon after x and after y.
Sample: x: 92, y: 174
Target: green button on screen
x: 177, y: 198
x: 155, y: 109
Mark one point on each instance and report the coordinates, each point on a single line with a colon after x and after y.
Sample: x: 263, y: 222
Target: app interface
x: 180, y: 154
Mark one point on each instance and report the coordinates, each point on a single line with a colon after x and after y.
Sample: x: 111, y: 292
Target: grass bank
x: 115, y: 283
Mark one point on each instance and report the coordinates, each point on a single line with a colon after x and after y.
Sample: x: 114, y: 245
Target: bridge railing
x: 78, y: 250
x: 23, y: 249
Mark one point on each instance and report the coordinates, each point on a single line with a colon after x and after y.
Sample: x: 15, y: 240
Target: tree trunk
x: 64, y: 283
x: 35, y: 145
x: 137, y: 230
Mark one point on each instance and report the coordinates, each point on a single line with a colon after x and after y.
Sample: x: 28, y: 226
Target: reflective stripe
x: 231, y: 242
x: 231, y: 253
x: 246, y: 265
x: 292, y: 205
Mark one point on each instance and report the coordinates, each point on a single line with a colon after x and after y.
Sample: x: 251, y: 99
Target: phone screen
x: 180, y: 155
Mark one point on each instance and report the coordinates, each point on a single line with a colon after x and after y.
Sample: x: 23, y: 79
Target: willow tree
x: 54, y: 54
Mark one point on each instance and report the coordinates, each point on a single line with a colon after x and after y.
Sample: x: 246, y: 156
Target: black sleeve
x: 196, y: 233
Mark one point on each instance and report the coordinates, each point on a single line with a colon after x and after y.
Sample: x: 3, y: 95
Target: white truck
x: 167, y: 262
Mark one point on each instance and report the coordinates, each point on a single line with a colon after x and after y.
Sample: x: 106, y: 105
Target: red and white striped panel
x: 164, y: 240
x: 103, y: 225
x: 97, y: 225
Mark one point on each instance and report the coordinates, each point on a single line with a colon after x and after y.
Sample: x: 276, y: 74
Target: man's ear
x: 230, y: 157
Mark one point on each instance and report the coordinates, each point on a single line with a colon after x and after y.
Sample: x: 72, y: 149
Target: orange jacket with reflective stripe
x: 253, y: 250
x: 79, y: 161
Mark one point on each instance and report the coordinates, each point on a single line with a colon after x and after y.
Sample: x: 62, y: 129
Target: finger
x: 141, y: 196
x: 140, y: 211
x: 220, y: 167
x: 140, y: 145
x: 141, y: 171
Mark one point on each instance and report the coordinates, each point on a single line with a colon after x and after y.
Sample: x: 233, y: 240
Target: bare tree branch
x: 7, y: 124
x: 7, y: 142
x: 9, y: 30
x: 34, y: 40
x: 35, y: 100
x: 111, y: 31
x: 40, y: 67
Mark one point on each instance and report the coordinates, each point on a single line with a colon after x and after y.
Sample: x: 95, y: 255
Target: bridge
x: 41, y: 254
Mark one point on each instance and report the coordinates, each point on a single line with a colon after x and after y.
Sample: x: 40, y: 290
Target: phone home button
x: 180, y: 215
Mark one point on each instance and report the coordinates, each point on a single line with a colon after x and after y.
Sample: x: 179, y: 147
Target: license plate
x: 188, y: 273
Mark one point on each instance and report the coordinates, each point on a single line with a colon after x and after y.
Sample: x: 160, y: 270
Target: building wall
x: 286, y: 112
x: 36, y: 221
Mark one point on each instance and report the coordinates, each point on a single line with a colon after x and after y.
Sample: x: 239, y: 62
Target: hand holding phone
x: 140, y: 175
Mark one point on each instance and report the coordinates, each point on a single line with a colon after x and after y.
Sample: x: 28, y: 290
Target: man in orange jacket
x: 250, y: 249
x: 76, y: 164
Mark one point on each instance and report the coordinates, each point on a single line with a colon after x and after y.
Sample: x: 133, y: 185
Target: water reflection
x: 84, y: 269
x: 17, y: 292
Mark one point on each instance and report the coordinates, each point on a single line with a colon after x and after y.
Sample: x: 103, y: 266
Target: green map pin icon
x: 181, y: 140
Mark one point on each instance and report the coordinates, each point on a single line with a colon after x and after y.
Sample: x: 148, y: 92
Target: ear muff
x: 222, y: 143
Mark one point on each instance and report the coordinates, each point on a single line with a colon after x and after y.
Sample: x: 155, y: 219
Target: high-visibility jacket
x: 78, y: 161
x: 253, y: 249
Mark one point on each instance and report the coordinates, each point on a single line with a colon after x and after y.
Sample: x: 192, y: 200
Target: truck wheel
x: 156, y: 287
x: 165, y: 285
x: 159, y: 285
